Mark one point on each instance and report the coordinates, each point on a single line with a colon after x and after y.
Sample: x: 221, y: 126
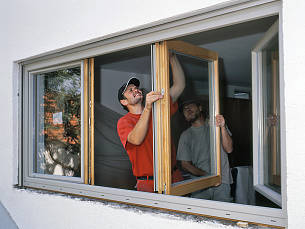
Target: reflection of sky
x: 70, y: 84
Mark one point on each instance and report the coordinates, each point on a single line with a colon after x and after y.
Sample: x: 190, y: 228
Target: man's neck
x: 198, y: 122
x: 136, y: 109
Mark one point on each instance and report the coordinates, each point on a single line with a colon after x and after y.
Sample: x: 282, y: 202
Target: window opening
x: 107, y: 164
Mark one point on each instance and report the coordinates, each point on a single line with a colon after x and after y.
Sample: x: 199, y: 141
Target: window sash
x: 258, y: 122
x: 91, y: 120
x: 163, y: 117
x: 88, y: 124
x: 30, y: 115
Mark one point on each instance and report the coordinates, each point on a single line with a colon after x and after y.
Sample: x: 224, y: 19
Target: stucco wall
x: 294, y: 73
x: 33, y: 27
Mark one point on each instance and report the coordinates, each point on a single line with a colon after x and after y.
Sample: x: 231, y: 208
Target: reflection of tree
x: 61, y: 94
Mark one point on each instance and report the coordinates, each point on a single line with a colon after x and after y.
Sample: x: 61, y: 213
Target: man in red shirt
x: 135, y: 128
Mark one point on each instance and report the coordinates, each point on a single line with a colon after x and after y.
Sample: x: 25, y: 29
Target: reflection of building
x: 61, y: 134
x: 55, y: 126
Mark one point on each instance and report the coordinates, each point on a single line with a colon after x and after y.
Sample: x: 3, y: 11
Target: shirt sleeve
x: 124, y: 127
x: 183, y: 148
x: 173, y: 107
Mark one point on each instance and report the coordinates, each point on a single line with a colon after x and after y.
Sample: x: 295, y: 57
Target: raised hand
x: 152, y: 97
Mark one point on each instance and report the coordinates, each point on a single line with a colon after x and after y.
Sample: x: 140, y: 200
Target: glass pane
x: 190, y: 126
x: 271, y: 120
x: 58, y: 122
x: 113, y: 167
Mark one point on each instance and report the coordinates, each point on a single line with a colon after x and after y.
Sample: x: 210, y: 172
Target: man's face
x: 133, y: 95
x: 191, y: 112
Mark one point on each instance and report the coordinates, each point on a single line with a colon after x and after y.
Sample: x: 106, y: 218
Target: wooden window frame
x: 163, y: 117
x: 89, y: 125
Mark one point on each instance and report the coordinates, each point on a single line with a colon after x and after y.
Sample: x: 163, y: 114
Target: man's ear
x: 124, y: 102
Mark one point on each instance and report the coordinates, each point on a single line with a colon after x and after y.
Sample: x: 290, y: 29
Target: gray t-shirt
x: 194, y: 146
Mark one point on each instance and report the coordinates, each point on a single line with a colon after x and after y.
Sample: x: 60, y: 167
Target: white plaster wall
x: 294, y: 71
x: 32, y: 27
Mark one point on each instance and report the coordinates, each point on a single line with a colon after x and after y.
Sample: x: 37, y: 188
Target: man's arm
x: 178, y: 78
x: 137, y: 135
x: 189, y: 167
x: 227, y: 142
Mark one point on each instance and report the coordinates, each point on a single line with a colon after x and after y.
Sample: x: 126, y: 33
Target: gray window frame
x: 28, y: 114
x: 229, y: 13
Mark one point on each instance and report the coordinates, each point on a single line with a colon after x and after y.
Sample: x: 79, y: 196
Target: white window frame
x: 28, y: 113
x: 258, y: 107
x: 232, y: 12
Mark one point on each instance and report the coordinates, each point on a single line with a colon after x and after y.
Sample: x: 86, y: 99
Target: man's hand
x: 220, y: 121
x: 188, y: 166
x: 227, y: 142
x: 272, y: 120
x: 152, y: 97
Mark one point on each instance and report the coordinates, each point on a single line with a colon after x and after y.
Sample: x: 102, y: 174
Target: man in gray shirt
x: 194, y: 151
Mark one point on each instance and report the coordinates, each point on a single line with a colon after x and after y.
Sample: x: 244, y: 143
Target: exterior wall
x: 5, y: 219
x: 33, y: 27
x: 294, y: 72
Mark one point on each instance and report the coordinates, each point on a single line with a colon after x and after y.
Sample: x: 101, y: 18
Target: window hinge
x: 90, y: 113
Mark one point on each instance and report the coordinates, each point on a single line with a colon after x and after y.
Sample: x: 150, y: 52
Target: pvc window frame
x: 229, y: 13
x: 258, y: 109
x: 29, y: 91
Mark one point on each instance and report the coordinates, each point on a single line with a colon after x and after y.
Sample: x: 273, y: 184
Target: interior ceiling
x: 135, y: 60
x: 233, y: 45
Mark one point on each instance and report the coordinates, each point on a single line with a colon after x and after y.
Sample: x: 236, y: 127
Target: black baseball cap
x: 133, y: 80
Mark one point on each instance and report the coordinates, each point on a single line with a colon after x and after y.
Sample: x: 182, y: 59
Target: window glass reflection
x: 58, y: 125
x: 190, y: 126
x: 271, y: 123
